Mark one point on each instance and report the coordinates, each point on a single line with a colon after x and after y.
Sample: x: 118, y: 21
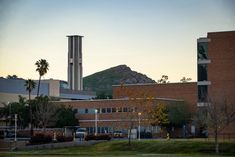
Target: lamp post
x: 9, y: 117
x: 96, y: 121
x: 15, y: 126
x: 139, y: 114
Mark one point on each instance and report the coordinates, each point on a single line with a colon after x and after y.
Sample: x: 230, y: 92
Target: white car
x: 81, y: 133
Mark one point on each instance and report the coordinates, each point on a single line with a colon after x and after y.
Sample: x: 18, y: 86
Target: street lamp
x: 15, y: 126
x: 96, y: 121
x: 139, y: 114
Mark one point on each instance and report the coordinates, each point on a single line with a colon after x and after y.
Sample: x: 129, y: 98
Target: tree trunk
x: 216, y: 141
x: 31, y: 121
x: 39, y: 81
x: 129, y: 138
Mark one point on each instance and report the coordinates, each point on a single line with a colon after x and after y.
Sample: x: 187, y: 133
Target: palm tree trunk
x: 39, y: 81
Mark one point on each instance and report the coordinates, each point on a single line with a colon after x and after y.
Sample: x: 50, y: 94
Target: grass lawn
x: 148, y: 148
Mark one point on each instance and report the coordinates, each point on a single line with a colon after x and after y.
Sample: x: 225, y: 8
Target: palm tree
x: 30, y: 85
x: 42, y: 68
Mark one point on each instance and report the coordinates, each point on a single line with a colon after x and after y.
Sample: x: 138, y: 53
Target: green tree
x: 30, y: 85
x: 42, y: 68
x: 12, y: 76
x: 20, y: 108
x: 65, y: 117
x: 178, y: 114
x: 164, y: 79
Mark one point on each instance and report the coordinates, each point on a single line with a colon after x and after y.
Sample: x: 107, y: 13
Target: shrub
x: 61, y: 138
x: 40, y: 139
x: 98, y: 137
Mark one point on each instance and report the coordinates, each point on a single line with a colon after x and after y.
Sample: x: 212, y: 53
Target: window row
x: 105, y: 110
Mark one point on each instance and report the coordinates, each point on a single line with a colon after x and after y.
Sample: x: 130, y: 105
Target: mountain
x: 101, y: 82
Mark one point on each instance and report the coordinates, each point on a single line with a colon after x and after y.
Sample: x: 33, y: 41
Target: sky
x: 153, y: 37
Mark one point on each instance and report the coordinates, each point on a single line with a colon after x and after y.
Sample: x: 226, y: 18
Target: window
x: 202, y: 72
x: 202, y: 93
x: 125, y: 109
x: 130, y: 109
x: 202, y: 50
x: 86, y: 110
x: 119, y: 109
x: 108, y: 110
x: 113, y: 109
x: 103, y: 110
x: 81, y: 111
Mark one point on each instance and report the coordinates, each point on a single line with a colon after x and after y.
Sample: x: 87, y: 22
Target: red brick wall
x: 122, y: 117
x: 221, y: 70
x: 184, y: 91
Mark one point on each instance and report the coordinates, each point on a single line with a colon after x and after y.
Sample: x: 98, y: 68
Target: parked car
x: 118, y: 134
x: 81, y: 133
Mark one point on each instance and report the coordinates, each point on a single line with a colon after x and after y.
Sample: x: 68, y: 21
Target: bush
x: 40, y: 139
x: 98, y: 137
x: 62, y: 138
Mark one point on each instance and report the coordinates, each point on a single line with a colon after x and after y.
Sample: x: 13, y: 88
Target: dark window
x: 202, y: 93
x: 125, y: 109
x: 130, y: 109
x: 119, y: 109
x: 86, y: 110
x: 103, y: 110
x: 202, y: 50
x: 202, y: 72
x: 113, y: 109
x: 108, y: 110
x: 102, y: 130
x: 81, y: 111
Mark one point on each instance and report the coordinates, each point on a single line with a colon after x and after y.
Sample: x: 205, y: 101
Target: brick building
x: 116, y: 114
x: 183, y: 91
x: 216, y: 71
x: 129, y: 100
x: 216, y: 80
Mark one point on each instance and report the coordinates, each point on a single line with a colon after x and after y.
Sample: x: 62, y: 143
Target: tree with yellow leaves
x: 158, y: 115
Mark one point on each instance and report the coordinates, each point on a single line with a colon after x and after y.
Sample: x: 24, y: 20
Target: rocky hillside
x: 102, y: 81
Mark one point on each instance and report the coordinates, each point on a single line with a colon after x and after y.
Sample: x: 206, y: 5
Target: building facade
x: 184, y: 91
x: 10, y: 89
x: 116, y: 114
x: 216, y: 71
x: 75, y: 62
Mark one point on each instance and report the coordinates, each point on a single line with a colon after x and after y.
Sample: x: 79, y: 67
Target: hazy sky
x: 153, y: 37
